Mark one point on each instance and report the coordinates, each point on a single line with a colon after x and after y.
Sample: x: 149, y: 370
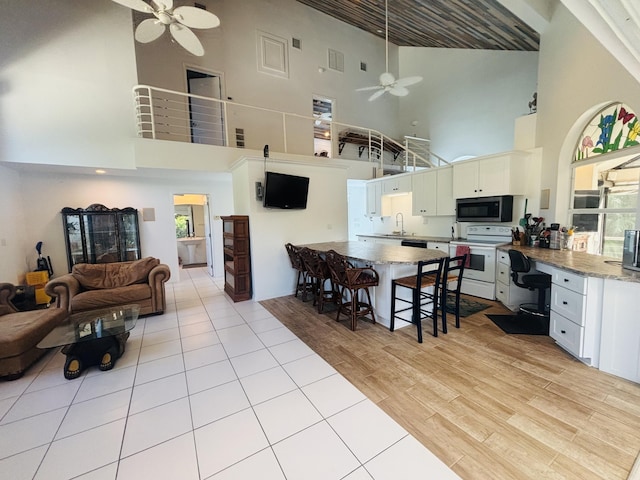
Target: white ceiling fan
x: 180, y: 20
x: 388, y: 82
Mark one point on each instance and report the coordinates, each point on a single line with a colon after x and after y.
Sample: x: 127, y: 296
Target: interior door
x: 208, y: 235
x: 206, y: 117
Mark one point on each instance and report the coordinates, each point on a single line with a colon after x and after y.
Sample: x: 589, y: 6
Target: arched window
x: 606, y: 173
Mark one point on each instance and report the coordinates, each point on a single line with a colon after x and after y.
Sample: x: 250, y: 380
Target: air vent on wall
x: 363, y: 66
x: 240, y: 137
x: 336, y: 60
x: 296, y: 43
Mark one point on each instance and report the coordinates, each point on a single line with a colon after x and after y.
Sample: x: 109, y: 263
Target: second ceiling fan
x: 388, y: 82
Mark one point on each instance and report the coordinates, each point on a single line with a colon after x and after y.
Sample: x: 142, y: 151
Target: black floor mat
x: 467, y: 307
x: 521, y: 324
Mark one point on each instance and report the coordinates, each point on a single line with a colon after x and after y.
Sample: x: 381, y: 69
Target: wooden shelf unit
x: 237, y: 257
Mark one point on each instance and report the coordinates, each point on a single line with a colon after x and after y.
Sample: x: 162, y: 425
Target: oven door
x: 482, y: 265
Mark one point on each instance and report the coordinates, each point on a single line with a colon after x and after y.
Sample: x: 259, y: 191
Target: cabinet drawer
x: 439, y: 246
x: 568, y: 303
x: 503, y: 273
x: 566, y: 333
x: 503, y: 257
x: 569, y: 280
x: 502, y: 293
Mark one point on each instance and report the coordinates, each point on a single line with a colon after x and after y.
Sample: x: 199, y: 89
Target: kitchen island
x: 390, y: 261
x: 594, y: 308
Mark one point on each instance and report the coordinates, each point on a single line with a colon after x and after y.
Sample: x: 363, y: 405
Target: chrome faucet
x: 402, y: 232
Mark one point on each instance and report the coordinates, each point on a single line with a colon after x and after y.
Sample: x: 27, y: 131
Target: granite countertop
x: 379, y: 254
x: 579, y: 262
x: 408, y: 237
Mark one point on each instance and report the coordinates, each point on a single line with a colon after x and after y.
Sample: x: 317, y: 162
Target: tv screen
x: 285, y: 191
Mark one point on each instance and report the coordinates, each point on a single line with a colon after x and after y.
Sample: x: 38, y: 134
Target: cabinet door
x: 396, y: 184
x: 445, y: 203
x: 493, y: 176
x: 128, y: 236
x: 76, y: 251
x: 373, y: 199
x: 424, y: 194
x: 102, y: 242
x: 465, y: 180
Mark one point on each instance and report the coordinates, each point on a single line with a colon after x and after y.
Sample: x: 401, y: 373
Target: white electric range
x: 479, y: 277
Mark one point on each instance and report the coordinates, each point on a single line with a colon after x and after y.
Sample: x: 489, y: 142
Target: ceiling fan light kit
x: 387, y: 82
x: 180, y: 21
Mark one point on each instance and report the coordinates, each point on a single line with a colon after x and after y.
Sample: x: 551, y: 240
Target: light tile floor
x: 209, y: 390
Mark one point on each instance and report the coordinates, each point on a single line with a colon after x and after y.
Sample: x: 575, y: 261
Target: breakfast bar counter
x: 377, y: 253
x: 390, y: 261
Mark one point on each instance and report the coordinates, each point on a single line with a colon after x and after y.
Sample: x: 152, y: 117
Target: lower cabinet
x: 620, y: 338
x: 576, y: 314
x: 439, y: 246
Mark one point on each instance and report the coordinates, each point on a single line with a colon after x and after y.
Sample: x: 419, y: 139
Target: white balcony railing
x: 169, y: 115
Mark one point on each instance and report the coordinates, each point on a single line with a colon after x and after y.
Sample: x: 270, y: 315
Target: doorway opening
x: 323, y: 116
x: 193, y: 230
x: 206, y: 117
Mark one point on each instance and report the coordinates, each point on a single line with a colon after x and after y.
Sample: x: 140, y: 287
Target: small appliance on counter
x: 630, y: 253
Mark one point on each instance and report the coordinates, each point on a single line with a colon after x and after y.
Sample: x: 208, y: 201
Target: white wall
x: 324, y: 219
x: 231, y: 50
x: 469, y: 99
x: 49, y: 193
x: 17, y: 251
x: 576, y: 75
x: 66, y: 73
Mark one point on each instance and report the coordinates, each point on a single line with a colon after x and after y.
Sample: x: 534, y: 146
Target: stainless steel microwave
x: 630, y: 250
x: 485, y: 209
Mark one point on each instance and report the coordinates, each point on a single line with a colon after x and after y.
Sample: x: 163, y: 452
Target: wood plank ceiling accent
x: 473, y: 24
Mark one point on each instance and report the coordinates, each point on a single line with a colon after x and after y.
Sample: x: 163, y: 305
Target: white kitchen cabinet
x: 432, y: 192
x: 374, y: 199
x: 620, y: 337
x: 507, y: 292
x: 502, y: 174
x: 396, y: 184
x: 442, y: 246
x: 424, y: 192
x: 576, y: 314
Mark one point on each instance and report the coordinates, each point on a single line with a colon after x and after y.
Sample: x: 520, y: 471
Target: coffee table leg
x: 102, y: 352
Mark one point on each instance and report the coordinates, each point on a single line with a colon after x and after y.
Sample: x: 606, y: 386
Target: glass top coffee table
x: 95, y: 337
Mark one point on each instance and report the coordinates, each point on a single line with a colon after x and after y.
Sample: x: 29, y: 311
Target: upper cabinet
x: 98, y: 234
x: 501, y: 174
x: 433, y: 192
x: 396, y: 184
x: 374, y: 194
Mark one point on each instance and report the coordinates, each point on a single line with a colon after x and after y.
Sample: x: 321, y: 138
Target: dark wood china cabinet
x: 237, y: 258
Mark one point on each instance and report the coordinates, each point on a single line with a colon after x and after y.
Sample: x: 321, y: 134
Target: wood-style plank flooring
x: 490, y: 405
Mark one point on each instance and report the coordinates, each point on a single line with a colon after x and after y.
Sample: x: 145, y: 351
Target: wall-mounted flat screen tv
x: 285, y: 191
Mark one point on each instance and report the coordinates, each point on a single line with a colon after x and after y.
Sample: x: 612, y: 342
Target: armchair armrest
x: 158, y: 276
x: 362, y: 275
x: 7, y: 292
x: 63, y: 288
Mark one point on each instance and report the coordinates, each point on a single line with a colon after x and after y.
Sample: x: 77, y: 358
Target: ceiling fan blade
x: 194, y: 17
x: 376, y: 95
x: 405, y: 82
x: 138, y: 5
x: 364, y: 89
x: 163, y: 4
x: 399, y: 91
x: 149, y: 30
x: 187, y: 39
x: 386, y: 79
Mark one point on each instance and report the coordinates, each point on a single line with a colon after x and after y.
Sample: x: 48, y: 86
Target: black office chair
x: 536, y: 281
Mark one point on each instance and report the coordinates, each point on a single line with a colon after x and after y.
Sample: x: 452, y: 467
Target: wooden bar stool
x: 423, y: 303
x: 453, y: 271
x: 319, y: 273
x: 352, y: 279
x: 303, y: 285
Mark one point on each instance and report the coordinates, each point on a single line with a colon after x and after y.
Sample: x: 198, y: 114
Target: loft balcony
x: 179, y: 117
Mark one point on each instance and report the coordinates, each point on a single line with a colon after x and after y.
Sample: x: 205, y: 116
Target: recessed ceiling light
x: 100, y: 171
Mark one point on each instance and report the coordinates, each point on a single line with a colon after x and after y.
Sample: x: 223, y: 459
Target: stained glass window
x: 613, y: 128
